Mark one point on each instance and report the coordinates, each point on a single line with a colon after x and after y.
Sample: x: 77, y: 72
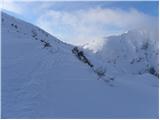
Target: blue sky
x: 147, y: 7
x: 85, y: 20
x: 150, y: 7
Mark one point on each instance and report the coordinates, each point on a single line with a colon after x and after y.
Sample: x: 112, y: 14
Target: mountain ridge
x: 42, y: 78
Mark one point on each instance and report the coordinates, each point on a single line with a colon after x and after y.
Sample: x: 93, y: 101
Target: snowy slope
x: 50, y: 82
x: 134, y: 52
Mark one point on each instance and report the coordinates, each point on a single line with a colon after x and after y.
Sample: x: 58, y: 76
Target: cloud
x: 13, y: 6
x: 81, y: 26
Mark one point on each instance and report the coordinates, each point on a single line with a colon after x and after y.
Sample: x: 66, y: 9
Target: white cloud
x: 82, y: 26
x: 12, y: 5
x: 79, y: 27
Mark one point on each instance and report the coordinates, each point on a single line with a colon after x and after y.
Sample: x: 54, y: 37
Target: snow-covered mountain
x: 134, y: 52
x: 43, y: 78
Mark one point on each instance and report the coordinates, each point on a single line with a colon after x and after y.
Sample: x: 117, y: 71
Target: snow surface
x: 50, y: 82
x: 133, y: 52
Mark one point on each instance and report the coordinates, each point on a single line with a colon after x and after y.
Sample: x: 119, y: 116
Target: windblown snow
x: 42, y: 78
